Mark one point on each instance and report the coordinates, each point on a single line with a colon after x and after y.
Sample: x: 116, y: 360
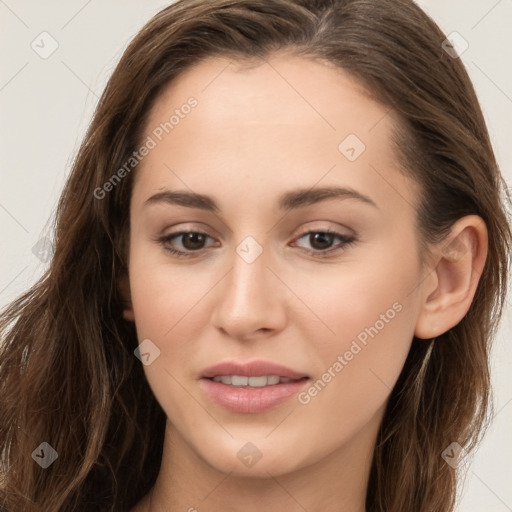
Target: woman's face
x: 303, y: 264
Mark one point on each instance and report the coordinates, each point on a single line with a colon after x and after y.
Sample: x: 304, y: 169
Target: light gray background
x: 46, y: 105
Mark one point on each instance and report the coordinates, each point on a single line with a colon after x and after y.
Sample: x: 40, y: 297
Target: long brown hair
x: 68, y: 375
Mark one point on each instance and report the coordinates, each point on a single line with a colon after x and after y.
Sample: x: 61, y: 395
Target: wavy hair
x: 68, y: 375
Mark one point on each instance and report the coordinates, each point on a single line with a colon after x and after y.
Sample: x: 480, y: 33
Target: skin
x: 261, y: 129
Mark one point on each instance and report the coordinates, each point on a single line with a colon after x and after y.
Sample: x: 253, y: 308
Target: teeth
x: 237, y: 380
x: 274, y: 379
x: 254, y: 382
x: 258, y: 382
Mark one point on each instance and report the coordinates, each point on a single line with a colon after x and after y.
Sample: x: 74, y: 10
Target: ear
x: 126, y: 297
x: 452, y: 283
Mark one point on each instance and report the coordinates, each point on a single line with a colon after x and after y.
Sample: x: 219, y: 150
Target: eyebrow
x: 291, y: 200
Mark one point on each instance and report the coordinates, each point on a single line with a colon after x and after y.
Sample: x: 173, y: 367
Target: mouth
x: 245, y: 382
x: 251, y: 387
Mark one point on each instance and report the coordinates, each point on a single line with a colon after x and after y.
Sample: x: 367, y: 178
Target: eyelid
x: 180, y: 232
x: 345, y: 241
x: 335, y: 230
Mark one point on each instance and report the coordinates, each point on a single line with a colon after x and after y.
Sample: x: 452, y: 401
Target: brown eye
x: 322, y: 242
x: 185, y: 243
x: 193, y: 241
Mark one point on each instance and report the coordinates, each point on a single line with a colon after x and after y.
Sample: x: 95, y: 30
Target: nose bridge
x: 249, y: 279
x: 250, y: 299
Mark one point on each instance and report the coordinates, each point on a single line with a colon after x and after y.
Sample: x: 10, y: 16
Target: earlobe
x: 450, y: 288
x: 128, y: 314
x: 125, y: 293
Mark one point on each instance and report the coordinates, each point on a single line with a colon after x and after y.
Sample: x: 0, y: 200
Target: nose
x: 250, y: 300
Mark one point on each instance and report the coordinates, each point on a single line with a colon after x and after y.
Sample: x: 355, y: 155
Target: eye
x: 321, y: 241
x: 191, y: 242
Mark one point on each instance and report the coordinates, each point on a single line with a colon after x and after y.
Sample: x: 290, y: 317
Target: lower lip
x: 251, y: 400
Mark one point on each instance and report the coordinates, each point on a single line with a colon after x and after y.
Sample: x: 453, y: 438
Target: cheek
x: 164, y: 297
x: 168, y: 311
x: 368, y: 298
x: 171, y: 309
x: 371, y: 315
x: 357, y: 381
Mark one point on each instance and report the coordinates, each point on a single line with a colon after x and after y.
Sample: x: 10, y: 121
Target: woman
x: 280, y: 260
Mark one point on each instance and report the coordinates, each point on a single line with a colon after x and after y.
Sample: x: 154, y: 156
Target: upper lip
x: 251, y: 369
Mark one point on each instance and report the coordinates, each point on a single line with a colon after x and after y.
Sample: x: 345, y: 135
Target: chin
x: 256, y: 459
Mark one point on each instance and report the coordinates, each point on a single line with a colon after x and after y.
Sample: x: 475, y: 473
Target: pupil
x: 196, y: 240
x: 322, y: 238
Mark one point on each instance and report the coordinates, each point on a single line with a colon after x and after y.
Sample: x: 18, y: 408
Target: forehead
x: 286, y: 118
x: 294, y: 90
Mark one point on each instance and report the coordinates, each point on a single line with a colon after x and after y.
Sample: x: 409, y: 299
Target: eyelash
x: 346, y: 241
